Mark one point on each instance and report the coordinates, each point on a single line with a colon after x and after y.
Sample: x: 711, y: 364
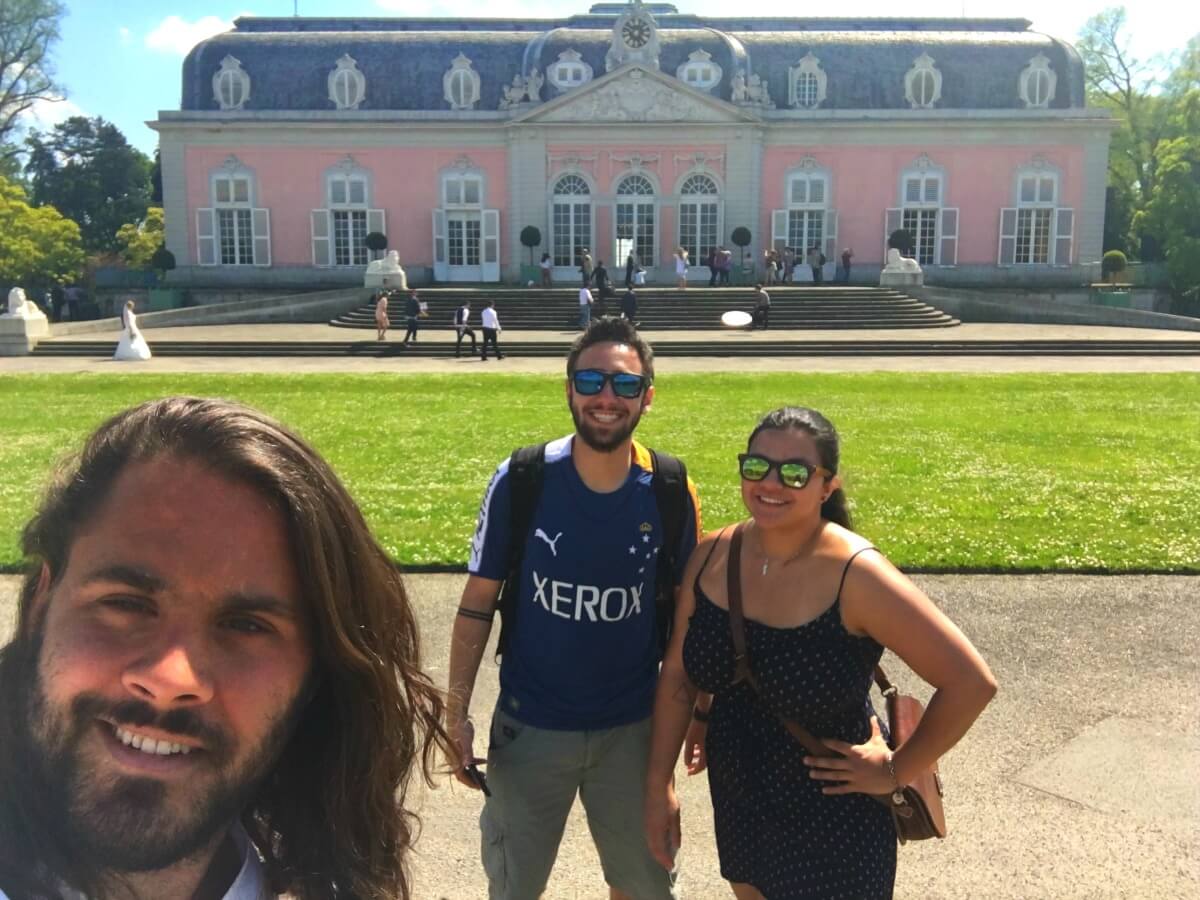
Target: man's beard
x: 118, y: 823
x: 588, y: 434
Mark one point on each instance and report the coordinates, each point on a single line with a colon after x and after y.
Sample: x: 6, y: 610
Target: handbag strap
x: 741, y: 660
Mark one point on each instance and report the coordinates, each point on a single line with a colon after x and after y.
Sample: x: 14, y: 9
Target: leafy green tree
x: 1173, y: 213
x: 38, y: 246
x: 139, y: 240
x: 28, y: 31
x: 87, y: 169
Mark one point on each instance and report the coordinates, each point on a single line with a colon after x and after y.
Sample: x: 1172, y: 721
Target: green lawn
x: 1021, y: 472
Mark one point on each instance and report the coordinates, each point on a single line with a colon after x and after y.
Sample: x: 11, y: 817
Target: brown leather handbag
x: 917, y: 808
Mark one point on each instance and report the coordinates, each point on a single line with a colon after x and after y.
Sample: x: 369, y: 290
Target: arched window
x: 699, y: 217
x: 923, y: 83
x: 347, y: 86
x: 569, y: 71
x: 808, y: 83
x: 636, y: 212
x: 1037, y: 83
x: 571, y: 219
x: 699, y: 72
x: 460, y: 84
x: 231, y: 85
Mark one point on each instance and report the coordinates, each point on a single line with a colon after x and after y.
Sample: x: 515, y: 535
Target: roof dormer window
x: 460, y: 84
x: 923, y: 83
x: 699, y: 72
x: 808, y: 83
x: 1037, y: 83
x: 231, y: 85
x: 347, y: 85
x: 569, y: 71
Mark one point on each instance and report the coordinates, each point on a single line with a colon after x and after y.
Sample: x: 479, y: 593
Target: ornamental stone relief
x: 635, y: 98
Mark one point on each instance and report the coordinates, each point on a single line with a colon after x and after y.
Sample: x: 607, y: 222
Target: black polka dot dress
x: 775, y: 829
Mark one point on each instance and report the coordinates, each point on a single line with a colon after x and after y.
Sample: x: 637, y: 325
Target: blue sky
x: 122, y: 60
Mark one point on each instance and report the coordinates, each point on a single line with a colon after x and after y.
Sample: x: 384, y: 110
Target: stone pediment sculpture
x: 900, y: 271
x: 21, y: 325
x: 635, y: 95
x: 524, y: 89
x: 386, y: 273
x: 750, y: 91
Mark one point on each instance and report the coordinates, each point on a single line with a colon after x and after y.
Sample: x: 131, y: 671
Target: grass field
x: 1005, y: 472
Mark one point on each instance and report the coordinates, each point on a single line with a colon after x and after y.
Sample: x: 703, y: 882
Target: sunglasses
x: 793, y: 473
x: 625, y: 385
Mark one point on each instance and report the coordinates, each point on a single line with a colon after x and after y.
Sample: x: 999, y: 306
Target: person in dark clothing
x: 629, y: 305
x: 58, y: 298
x: 491, y: 329
x: 713, y: 263
x: 762, y: 308
x: 603, y: 282
x: 412, y: 310
x: 461, y: 317
x: 631, y: 266
x: 847, y: 255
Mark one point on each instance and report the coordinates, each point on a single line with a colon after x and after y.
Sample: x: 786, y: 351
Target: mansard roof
x: 403, y: 60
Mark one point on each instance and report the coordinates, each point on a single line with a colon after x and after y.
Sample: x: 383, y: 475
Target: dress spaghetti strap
x: 704, y: 565
x: 846, y: 570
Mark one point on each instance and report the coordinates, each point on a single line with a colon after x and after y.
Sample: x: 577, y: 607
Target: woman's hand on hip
x: 857, y: 768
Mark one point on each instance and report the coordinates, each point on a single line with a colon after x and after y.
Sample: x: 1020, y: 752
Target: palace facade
x: 629, y: 128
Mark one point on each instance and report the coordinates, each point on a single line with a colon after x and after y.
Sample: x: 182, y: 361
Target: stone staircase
x: 669, y: 309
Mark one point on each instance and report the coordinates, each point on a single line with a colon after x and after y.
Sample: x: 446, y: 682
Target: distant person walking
x: 713, y: 261
x: 491, y: 330
x: 381, y: 316
x: 847, y: 255
x: 462, y: 318
x: 132, y: 346
x: 412, y: 312
x: 726, y: 266
x: 603, y: 283
x: 789, y: 264
x: 585, y: 266
x: 816, y: 261
x: 547, y: 277
x: 631, y: 267
x: 681, y: 268
x: 629, y: 306
x: 585, y: 308
x: 762, y: 308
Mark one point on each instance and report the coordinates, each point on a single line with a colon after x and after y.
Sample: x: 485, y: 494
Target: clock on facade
x: 636, y: 32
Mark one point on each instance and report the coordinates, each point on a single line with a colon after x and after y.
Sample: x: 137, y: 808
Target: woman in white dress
x: 681, y: 268
x: 132, y: 345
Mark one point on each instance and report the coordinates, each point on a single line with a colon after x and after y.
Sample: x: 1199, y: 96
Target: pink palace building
x: 630, y: 128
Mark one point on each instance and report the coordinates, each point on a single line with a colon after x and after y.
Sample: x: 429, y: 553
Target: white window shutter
x: 892, y: 221
x: 779, y: 228
x: 831, y: 223
x: 206, y: 237
x: 260, y: 226
x: 441, y: 270
x: 948, y: 241
x: 1064, y: 236
x: 376, y: 221
x: 491, y: 245
x: 322, y: 242
x: 1007, y: 253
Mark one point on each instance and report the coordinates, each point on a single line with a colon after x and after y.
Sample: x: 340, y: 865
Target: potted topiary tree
x: 1112, y: 264
x: 376, y: 242
x: 531, y: 237
x: 741, y: 238
x: 163, y: 261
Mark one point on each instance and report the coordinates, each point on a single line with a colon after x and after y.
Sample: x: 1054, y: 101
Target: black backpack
x: 526, y: 471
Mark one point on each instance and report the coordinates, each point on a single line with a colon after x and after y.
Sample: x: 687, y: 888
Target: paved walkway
x: 448, y: 364
x: 1081, y: 780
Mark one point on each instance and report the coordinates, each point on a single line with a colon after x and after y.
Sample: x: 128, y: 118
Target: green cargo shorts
x: 534, y: 775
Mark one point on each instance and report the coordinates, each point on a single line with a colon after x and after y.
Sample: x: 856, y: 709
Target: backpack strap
x: 526, y: 471
x: 670, y: 483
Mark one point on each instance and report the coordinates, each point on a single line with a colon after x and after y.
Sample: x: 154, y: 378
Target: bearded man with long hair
x: 214, y: 688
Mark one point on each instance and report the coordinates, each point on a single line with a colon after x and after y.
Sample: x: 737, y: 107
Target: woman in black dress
x: 820, y: 605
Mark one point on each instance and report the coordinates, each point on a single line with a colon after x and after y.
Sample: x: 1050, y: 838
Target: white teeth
x: 150, y: 745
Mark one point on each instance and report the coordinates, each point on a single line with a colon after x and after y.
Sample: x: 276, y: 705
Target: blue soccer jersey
x: 583, y: 652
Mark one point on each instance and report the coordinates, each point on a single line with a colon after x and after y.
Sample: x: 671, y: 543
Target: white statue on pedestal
x: 386, y: 273
x: 20, y: 307
x: 901, y: 271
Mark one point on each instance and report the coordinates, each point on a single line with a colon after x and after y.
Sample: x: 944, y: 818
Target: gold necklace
x: 791, y: 559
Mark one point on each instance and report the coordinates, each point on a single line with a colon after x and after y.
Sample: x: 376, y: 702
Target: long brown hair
x: 330, y: 818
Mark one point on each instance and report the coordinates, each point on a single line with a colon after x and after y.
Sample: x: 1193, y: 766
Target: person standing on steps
x: 585, y: 307
x: 847, y: 255
x: 381, y: 316
x: 412, y: 312
x: 462, y: 317
x: 491, y: 330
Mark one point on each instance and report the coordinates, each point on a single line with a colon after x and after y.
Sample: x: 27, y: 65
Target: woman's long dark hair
x: 825, y: 436
x: 330, y: 819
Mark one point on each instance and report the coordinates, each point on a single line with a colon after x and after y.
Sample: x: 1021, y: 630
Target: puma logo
x: 545, y: 537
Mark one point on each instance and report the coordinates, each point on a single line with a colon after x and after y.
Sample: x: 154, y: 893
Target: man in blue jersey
x: 581, y: 652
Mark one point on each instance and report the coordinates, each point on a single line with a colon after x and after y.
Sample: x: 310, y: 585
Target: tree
x: 28, y: 31
x: 902, y: 239
x: 138, y: 241
x: 741, y: 238
x: 38, y: 247
x: 531, y: 237
x: 87, y: 169
x: 376, y: 242
x: 1173, y: 212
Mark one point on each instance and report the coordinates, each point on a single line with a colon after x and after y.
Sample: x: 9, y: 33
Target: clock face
x: 636, y: 32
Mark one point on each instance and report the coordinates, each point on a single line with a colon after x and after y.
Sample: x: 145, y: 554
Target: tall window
x: 1036, y: 196
x: 348, y: 208
x: 807, y: 202
x: 699, y: 217
x: 922, y: 204
x: 635, y: 219
x: 571, y: 215
x: 235, y: 233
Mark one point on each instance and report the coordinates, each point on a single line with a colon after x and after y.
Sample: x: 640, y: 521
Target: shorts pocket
x: 504, y: 731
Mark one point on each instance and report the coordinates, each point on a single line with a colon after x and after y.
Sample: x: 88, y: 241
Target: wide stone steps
x: 664, y: 309
x: 440, y: 346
